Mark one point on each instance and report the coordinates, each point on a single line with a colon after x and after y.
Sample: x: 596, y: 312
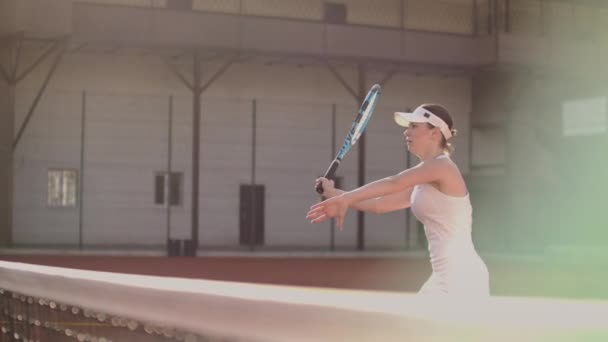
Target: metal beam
x: 361, y: 162
x: 83, y: 126
x: 196, y: 135
x: 361, y: 149
x: 197, y: 88
x: 77, y: 48
x: 3, y: 71
x: 16, y: 56
x: 40, y: 93
x: 332, y: 224
x: 252, y: 225
x: 169, y: 165
x: 39, y: 60
x: 5, y: 74
x: 6, y: 225
x: 507, y: 16
x: 254, y: 113
x: 590, y: 3
x: 408, y: 213
x: 343, y: 82
x: 15, y: 63
x: 179, y: 75
x: 11, y: 36
x: 217, y: 74
x: 474, y: 18
x: 389, y: 75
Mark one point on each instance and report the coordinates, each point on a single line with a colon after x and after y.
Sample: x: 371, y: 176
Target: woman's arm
x: 384, y: 204
x: 425, y: 173
x: 378, y: 205
x: 428, y: 172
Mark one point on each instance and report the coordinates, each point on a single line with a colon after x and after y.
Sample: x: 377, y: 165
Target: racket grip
x: 329, y: 174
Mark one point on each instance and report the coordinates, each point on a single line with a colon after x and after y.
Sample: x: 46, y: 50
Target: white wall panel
x: 126, y: 144
x: 51, y: 140
x: 225, y: 163
x: 46, y: 18
x: 292, y: 151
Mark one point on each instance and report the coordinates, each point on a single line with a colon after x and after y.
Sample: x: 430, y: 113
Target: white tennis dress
x: 457, y: 268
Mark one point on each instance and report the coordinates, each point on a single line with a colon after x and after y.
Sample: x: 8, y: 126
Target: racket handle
x: 329, y: 174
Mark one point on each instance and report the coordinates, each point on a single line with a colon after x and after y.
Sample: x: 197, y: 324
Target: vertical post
x: 324, y: 32
x: 474, y: 19
x: 332, y: 224
x: 361, y: 174
x: 6, y: 204
x: 471, y: 128
x: 196, y: 123
x: 252, y: 227
x: 408, y: 214
x: 12, y: 93
x: 512, y: 196
x: 7, y: 135
x: 543, y: 18
x: 16, y: 56
x: 81, y: 178
x: 490, y: 16
x: 507, y: 16
x: 169, y: 164
x: 402, y: 25
x: 495, y: 30
x: 240, y: 19
x: 402, y: 15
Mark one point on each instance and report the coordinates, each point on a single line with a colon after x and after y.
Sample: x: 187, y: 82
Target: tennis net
x: 39, y: 303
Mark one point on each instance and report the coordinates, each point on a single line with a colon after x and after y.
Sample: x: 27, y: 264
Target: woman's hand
x: 329, y: 187
x: 335, y: 207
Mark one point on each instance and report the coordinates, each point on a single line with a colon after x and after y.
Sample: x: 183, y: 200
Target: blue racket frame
x: 358, y: 127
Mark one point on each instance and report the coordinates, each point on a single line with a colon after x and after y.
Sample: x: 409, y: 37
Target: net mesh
x: 32, y: 319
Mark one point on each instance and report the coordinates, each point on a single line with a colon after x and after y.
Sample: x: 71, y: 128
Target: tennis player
x: 438, y: 196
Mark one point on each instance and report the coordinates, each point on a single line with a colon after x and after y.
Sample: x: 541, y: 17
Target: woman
x: 438, y: 196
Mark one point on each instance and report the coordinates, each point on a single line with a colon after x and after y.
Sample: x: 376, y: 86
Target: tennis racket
x: 358, y: 127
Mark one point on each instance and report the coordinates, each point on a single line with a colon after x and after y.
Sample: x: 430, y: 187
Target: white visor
x: 421, y: 114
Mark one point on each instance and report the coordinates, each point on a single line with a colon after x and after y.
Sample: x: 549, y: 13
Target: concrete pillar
x: 8, y: 10
x: 7, y: 106
x: 506, y: 205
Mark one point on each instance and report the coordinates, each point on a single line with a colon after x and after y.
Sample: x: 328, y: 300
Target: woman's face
x: 418, y: 137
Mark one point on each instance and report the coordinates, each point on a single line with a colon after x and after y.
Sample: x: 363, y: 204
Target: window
x: 585, y: 116
x: 168, y: 188
x: 62, y: 187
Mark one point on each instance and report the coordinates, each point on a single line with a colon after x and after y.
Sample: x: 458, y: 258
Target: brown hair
x: 444, y: 115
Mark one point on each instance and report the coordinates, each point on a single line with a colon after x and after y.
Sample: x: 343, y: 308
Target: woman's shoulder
x: 435, y: 169
x: 446, y: 166
x: 450, y: 180
x: 441, y: 162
